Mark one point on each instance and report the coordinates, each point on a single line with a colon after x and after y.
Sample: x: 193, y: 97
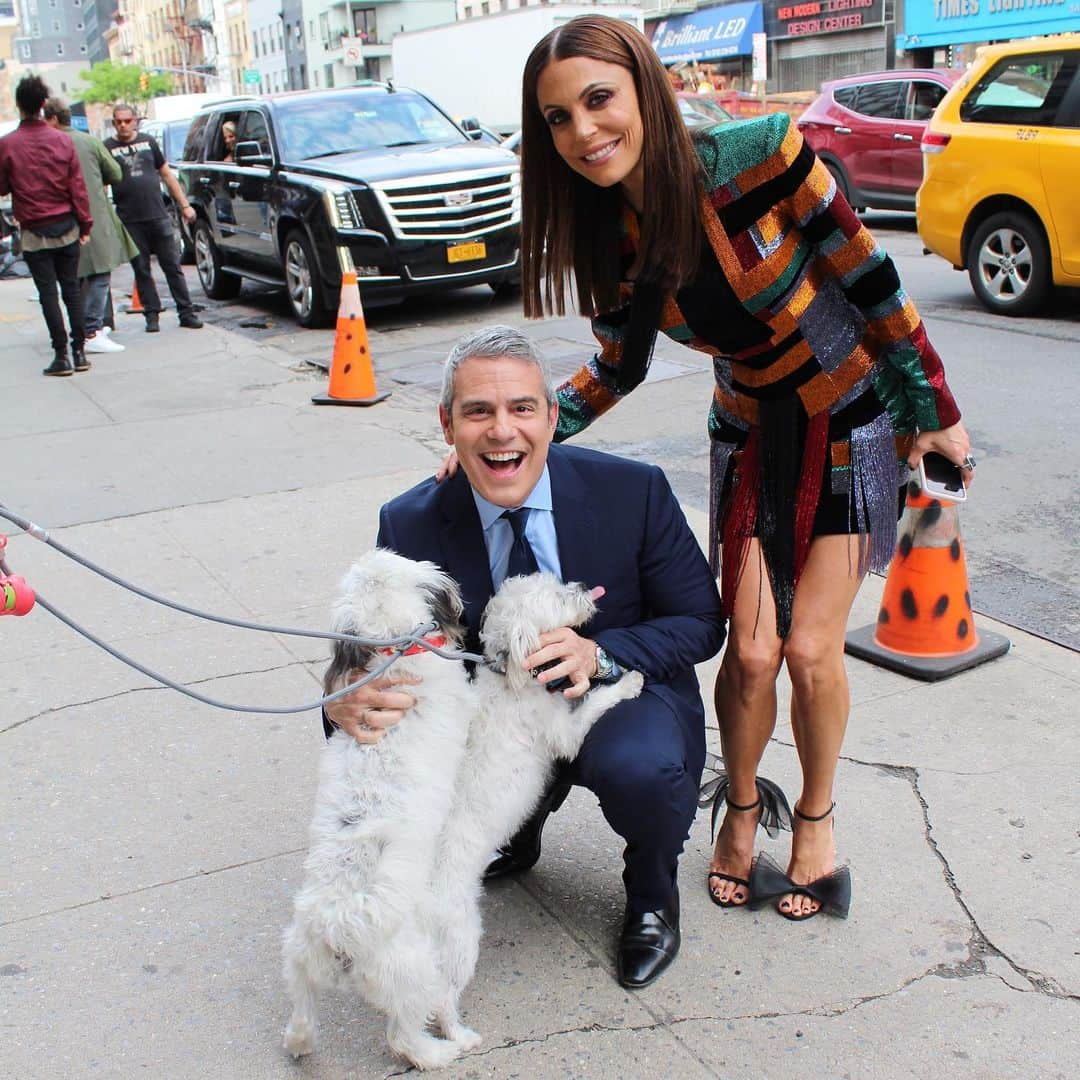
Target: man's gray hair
x: 494, y: 342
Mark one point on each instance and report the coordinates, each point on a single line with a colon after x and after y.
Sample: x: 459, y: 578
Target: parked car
x: 367, y: 177
x: 1002, y: 165
x: 699, y: 110
x: 867, y: 130
x: 171, y: 135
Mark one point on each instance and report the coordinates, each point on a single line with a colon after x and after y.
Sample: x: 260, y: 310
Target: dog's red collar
x: 438, y: 640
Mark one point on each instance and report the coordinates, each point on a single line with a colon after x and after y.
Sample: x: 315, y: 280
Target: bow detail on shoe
x: 775, y: 811
x: 832, y: 892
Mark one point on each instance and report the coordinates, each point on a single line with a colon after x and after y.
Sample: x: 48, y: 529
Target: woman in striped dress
x: 738, y: 244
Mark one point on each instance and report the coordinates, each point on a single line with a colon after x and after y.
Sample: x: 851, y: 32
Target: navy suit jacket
x: 618, y: 525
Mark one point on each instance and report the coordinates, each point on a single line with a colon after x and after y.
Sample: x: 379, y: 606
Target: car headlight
x: 341, y: 209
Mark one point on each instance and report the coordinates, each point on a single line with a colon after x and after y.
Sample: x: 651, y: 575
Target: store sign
x: 930, y: 23
x: 802, y: 17
x: 708, y: 34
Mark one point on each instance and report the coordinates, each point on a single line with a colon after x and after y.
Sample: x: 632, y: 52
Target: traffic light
x: 144, y: 82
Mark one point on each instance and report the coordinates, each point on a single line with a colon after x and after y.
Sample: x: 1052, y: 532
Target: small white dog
x: 519, y: 730
x: 361, y: 916
x: 403, y: 829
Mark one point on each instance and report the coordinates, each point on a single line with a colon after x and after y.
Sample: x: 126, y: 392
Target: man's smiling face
x: 501, y: 425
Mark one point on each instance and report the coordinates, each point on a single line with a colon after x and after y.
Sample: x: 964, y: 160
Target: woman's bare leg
x: 746, y: 714
x: 814, y: 652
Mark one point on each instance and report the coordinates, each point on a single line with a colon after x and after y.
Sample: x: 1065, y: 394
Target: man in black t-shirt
x: 142, y: 210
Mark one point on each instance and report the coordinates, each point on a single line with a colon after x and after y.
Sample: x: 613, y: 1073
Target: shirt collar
x: 538, y: 499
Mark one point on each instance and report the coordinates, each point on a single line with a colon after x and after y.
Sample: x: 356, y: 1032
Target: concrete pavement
x: 153, y: 844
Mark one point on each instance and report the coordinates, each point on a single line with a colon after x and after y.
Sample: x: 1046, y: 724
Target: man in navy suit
x: 587, y: 517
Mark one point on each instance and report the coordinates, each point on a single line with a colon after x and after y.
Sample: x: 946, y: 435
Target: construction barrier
x: 352, y: 378
x: 925, y: 627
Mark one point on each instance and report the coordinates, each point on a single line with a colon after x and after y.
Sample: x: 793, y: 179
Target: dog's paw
x: 299, y: 1038
x: 465, y: 1037
x: 632, y: 683
x: 425, y: 1052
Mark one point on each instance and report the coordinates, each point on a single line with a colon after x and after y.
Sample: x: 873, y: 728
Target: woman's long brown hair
x: 570, y: 226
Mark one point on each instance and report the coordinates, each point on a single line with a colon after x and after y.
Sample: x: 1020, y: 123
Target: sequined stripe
x: 719, y: 462
x: 759, y: 357
x: 821, y: 391
x: 794, y: 357
x: 769, y: 183
x: 739, y: 519
x: 840, y: 450
x: 872, y: 506
x: 769, y: 388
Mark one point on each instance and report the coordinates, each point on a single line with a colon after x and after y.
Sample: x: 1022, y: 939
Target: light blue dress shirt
x: 539, y: 531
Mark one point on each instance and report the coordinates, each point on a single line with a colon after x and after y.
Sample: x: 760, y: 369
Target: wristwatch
x: 606, y: 668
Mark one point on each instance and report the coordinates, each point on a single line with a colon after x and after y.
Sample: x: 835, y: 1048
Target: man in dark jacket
x: 40, y: 170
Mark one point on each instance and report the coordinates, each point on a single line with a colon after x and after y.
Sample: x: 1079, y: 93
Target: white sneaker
x: 102, y: 343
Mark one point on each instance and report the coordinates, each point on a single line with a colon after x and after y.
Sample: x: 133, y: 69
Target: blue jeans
x: 95, y: 301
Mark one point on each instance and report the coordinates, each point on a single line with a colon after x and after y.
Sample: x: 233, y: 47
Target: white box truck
x: 473, y: 67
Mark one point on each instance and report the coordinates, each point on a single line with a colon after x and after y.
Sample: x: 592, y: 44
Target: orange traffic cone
x: 135, y: 307
x: 352, y: 379
x: 925, y: 627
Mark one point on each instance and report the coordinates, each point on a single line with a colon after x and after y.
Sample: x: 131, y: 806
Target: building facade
x: 60, y: 31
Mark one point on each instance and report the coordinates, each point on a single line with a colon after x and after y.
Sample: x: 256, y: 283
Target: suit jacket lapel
x: 465, y: 553
x: 576, y: 526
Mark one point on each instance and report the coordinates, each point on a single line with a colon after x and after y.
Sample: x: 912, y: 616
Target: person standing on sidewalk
x: 40, y: 170
x: 142, y: 210
x: 110, y: 245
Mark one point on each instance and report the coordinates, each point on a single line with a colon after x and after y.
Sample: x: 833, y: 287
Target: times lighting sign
x: 797, y: 19
x: 933, y: 23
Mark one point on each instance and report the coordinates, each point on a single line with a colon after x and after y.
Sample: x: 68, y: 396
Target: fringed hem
x: 872, y: 497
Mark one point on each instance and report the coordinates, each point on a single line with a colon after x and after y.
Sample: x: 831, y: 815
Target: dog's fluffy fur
x: 403, y: 829
x: 360, y: 917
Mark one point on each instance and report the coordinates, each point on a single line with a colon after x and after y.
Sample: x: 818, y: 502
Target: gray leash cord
x: 399, y: 644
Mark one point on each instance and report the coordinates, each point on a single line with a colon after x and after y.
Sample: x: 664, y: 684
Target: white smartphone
x: 941, y: 479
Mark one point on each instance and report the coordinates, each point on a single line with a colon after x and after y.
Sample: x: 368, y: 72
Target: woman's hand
x: 576, y: 658
x: 369, y: 711
x: 448, y: 467
x: 951, y: 442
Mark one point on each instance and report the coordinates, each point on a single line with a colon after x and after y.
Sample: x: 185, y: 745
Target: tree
x: 111, y: 83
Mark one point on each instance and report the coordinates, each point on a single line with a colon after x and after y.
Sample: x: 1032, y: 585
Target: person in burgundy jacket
x: 40, y: 169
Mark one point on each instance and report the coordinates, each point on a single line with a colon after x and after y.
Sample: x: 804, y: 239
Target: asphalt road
x: 1017, y: 381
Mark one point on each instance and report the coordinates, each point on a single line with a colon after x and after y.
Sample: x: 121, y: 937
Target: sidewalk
x: 154, y: 843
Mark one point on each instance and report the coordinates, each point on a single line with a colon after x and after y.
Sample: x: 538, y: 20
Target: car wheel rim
x: 298, y: 279
x: 1005, y: 265
x: 204, y: 259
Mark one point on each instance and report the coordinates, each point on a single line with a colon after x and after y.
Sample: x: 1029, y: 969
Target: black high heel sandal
x: 832, y: 891
x: 775, y: 814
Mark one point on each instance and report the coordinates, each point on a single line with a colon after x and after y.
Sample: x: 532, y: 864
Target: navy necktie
x: 522, y: 560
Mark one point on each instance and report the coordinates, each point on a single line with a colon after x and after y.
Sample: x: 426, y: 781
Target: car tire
x: 308, y: 294
x: 216, y: 282
x: 838, y: 174
x: 185, y: 250
x: 1008, y: 263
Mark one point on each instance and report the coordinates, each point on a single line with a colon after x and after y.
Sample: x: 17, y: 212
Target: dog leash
x: 18, y: 598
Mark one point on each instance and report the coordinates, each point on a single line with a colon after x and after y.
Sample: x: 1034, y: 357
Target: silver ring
x: 968, y: 463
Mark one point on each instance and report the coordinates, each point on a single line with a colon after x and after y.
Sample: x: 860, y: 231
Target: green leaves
x: 111, y: 83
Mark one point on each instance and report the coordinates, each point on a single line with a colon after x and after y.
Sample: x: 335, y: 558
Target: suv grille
x: 452, y: 205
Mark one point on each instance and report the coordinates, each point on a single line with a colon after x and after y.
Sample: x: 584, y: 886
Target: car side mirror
x: 251, y: 153
x: 471, y: 126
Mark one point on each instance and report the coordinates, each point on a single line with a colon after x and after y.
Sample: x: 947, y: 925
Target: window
x: 254, y: 44
x: 60, y: 49
x: 1022, y: 90
x: 328, y: 73
x: 922, y: 99
x: 251, y: 127
x: 324, y: 29
x: 485, y: 8
x: 883, y: 100
x: 468, y: 11
x: 364, y: 24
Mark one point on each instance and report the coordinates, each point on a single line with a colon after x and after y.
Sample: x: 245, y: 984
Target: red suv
x: 867, y: 130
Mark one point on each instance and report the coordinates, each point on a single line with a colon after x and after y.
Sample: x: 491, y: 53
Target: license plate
x: 456, y: 253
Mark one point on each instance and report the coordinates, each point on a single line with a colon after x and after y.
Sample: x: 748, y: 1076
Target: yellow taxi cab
x: 1001, y: 173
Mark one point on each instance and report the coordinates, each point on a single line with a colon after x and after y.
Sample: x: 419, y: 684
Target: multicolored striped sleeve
x: 845, y: 249
x: 600, y: 383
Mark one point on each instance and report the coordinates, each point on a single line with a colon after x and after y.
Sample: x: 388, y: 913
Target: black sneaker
x: 152, y: 323
x: 79, y: 361
x: 190, y: 321
x: 61, y: 365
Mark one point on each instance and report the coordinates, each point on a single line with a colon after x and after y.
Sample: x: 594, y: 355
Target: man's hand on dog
x: 576, y: 656
x: 369, y: 711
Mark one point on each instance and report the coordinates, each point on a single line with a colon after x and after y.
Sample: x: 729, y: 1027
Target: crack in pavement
x: 156, y: 687
x: 105, y: 897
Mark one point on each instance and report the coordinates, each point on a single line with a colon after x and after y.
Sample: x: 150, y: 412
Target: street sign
x: 352, y: 51
x: 251, y: 77
x: 760, y: 61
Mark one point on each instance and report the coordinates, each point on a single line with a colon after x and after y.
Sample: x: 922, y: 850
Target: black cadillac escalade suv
x: 366, y: 177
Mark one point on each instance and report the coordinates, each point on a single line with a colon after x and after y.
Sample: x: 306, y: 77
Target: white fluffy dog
x: 519, y: 730
x: 403, y: 829
x: 361, y: 916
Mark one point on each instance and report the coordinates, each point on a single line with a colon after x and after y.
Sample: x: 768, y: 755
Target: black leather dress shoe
x: 522, y: 850
x: 650, y: 941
